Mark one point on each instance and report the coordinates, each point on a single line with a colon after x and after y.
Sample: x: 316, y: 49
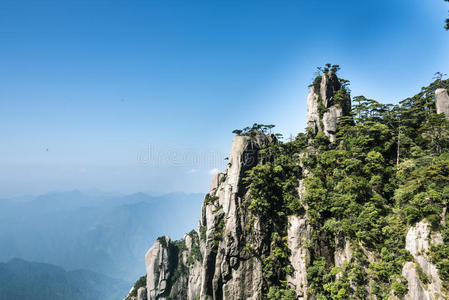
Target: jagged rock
x: 174, y: 268
x: 232, y: 242
x: 194, y: 267
x: 158, y: 261
x: 330, y: 120
x: 142, y: 294
x: 226, y: 274
x: 313, y: 116
x: 322, y: 110
x: 442, y: 102
x: 418, y: 240
x: 415, y: 288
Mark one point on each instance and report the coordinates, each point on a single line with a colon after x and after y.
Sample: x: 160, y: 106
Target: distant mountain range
x: 104, y: 233
x: 22, y: 280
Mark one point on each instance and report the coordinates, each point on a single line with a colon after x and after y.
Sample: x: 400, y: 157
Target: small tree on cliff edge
x: 447, y: 20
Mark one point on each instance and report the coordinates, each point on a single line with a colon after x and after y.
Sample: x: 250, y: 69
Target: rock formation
x: 442, y: 102
x: 228, y: 273
x: 220, y: 270
x: 418, y: 241
x: 223, y: 259
x: 142, y: 294
x: 326, y: 103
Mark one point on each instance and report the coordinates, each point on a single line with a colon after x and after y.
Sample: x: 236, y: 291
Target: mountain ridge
x: 20, y: 279
x: 354, y: 208
x: 101, y: 233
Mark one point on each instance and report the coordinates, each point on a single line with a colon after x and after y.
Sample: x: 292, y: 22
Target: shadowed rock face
x: 159, y: 265
x: 442, y: 102
x: 225, y: 271
x: 323, y: 111
x: 142, y: 294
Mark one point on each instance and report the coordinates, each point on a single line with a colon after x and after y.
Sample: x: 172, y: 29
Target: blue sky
x: 88, y: 87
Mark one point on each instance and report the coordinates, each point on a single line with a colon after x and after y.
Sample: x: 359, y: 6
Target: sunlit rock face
x: 299, y: 235
x: 442, y: 102
x: 142, y: 294
x: 158, y: 261
x: 323, y: 111
x: 223, y: 259
x: 225, y: 271
x: 229, y: 272
x: 418, y: 241
x: 173, y: 269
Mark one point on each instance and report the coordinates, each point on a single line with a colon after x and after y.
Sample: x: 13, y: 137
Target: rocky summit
x: 355, y: 208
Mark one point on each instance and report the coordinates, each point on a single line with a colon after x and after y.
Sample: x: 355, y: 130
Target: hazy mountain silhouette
x: 108, y: 234
x: 22, y: 280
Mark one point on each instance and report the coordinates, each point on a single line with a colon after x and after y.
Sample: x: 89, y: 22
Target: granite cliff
x: 290, y: 249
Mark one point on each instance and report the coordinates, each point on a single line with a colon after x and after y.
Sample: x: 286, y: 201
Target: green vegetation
x: 447, y: 21
x: 195, y: 251
x: 388, y: 169
x: 141, y: 282
x: 179, y: 247
x: 210, y: 199
x: 254, y: 130
x: 440, y: 256
x: 162, y: 240
x: 273, y: 190
x: 180, y: 270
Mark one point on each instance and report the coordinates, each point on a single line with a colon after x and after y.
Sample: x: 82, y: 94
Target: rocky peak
x: 159, y: 264
x: 226, y: 274
x: 232, y: 251
x: 210, y: 264
x: 327, y: 101
x: 442, y: 102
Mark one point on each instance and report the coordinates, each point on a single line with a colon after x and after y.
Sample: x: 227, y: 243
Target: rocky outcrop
x: 326, y: 103
x: 299, y: 240
x: 192, y: 258
x: 142, y: 294
x: 159, y: 262
x: 225, y: 258
x: 229, y: 269
x: 216, y: 263
x: 343, y: 251
x: 137, y: 292
x: 442, y: 102
x: 418, y: 241
x: 174, y: 268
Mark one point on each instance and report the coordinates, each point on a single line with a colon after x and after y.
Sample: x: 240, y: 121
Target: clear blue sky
x: 87, y: 86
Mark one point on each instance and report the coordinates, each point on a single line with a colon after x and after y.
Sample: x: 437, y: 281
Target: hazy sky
x: 133, y: 96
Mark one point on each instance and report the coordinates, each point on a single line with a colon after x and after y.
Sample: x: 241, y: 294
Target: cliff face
x: 228, y: 272
x: 221, y: 268
x: 224, y: 258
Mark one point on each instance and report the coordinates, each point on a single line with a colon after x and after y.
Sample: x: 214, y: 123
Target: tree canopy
x: 387, y: 170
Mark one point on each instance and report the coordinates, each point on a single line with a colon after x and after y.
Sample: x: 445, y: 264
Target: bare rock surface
x: 299, y: 236
x: 442, y: 102
x: 418, y: 241
x: 323, y: 111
